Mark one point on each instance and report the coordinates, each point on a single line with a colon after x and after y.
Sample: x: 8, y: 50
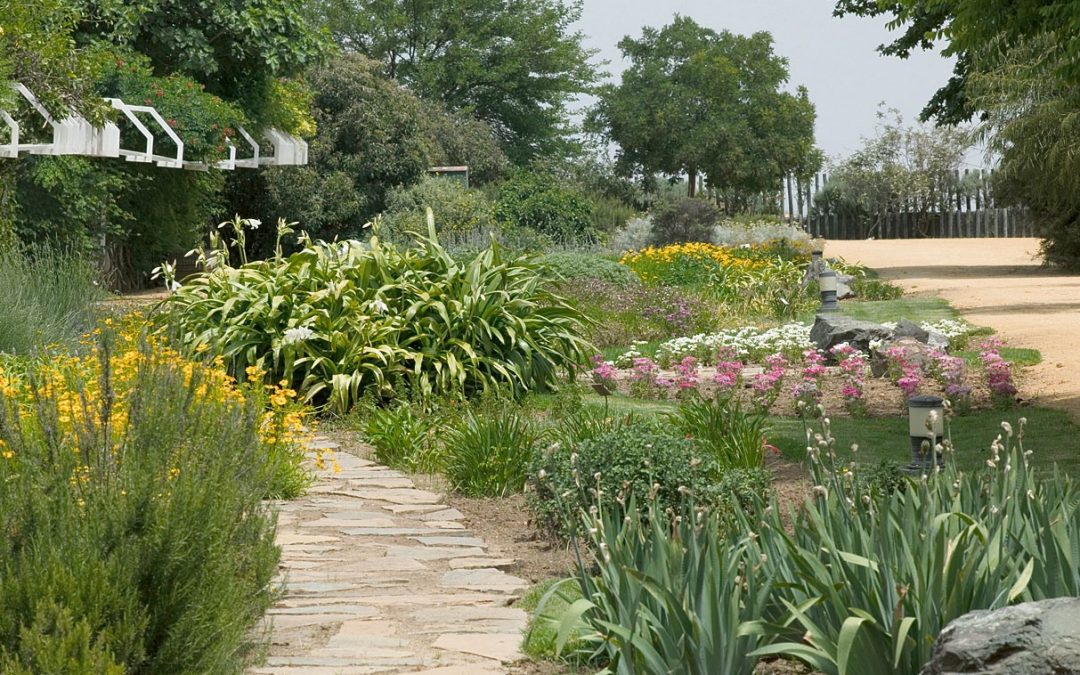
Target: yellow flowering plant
x: 759, y: 279
x: 133, y: 479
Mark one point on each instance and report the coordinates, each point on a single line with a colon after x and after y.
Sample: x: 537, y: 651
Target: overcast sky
x: 836, y: 59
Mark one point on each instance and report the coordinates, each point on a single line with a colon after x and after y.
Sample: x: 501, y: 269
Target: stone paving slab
x: 382, y: 577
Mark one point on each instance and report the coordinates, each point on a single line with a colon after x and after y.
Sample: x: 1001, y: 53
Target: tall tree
x: 373, y: 135
x: 964, y: 29
x: 694, y: 101
x: 515, y: 64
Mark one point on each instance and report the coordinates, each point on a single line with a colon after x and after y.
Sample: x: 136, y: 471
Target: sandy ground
x: 999, y: 283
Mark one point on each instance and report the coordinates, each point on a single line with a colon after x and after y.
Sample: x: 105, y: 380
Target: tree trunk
x: 691, y: 189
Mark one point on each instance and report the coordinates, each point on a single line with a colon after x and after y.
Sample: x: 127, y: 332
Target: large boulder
x: 915, y: 352
x: 908, y: 328
x: 830, y: 330
x: 1033, y: 638
x: 930, y: 338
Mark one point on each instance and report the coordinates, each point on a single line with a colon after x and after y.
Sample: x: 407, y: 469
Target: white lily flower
x: 295, y: 335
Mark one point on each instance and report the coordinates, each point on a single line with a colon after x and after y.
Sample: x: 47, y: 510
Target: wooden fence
x: 963, y: 207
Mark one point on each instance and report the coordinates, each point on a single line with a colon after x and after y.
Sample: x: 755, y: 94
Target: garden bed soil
x: 1000, y: 283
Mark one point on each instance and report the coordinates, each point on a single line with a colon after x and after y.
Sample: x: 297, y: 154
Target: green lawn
x: 915, y: 309
x: 1050, y: 434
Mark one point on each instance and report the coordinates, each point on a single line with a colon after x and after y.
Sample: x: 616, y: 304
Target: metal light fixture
x: 827, y: 284
x: 926, y: 425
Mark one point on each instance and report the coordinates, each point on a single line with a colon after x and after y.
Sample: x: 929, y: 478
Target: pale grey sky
x: 836, y: 59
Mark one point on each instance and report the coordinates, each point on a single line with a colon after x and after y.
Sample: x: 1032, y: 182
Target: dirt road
x: 998, y: 283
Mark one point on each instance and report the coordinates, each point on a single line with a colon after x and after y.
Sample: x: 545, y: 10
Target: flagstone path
x: 382, y: 577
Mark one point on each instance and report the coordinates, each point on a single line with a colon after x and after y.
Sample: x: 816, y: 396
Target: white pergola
x: 74, y: 135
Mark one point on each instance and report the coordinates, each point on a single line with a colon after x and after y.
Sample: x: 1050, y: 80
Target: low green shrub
x: 871, y: 288
x: 572, y: 266
x: 339, y: 320
x: 610, y: 214
x: 133, y: 532
x: 733, y: 437
x: 586, y: 422
x: 538, y: 202
x: 637, y: 462
x: 49, y: 297
x: 683, y: 219
x: 458, y: 210
x: 488, y: 453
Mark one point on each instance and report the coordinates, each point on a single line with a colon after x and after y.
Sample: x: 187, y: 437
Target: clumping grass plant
x: 488, y: 453
x: 48, y: 296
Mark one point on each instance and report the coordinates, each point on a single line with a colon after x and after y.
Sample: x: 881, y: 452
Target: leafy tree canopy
x: 374, y: 135
x: 236, y: 48
x: 964, y: 29
x: 696, y: 101
x: 513, y: 63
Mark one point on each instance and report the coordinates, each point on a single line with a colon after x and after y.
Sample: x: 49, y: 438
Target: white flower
x: 379, y: 306
x: 254, y: 223
x: 294, y: 335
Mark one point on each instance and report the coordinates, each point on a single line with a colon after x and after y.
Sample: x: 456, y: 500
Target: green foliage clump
x: 458, y: 210
x: 734, y: 438
x: 632, y: 462
x: 339, y: 320
x: 844, y: 586
x: 49, y: 297
x: 538, y: 202
x: 684, y: 219
x: 140, y: 547
x: 871, y: 288
x: 574, y: 265
x: 488, y: 452
x: 662, y: 597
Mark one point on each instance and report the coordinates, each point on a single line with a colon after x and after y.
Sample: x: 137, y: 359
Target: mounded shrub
x: 684, y: 219
x: 573, y: 265
x: 133, y: 532
x: 639, y: 462
x: 458, y: 210
x: 339, y: 320
x: 538, y: 202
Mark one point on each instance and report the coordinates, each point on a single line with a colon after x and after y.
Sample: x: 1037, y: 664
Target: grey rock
x: 830, y: 330
x: 1033, y: 638
x: 843, y: 286
x: 915, y: 352
x: 908, y: 328
x: 936, y: 340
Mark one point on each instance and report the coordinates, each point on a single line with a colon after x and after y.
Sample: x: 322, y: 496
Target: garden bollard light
x: 926, y: 415
x: 827, y: 283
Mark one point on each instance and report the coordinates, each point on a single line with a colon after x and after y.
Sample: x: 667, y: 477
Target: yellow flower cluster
x: 689, y: 252
x: 92, y: 391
